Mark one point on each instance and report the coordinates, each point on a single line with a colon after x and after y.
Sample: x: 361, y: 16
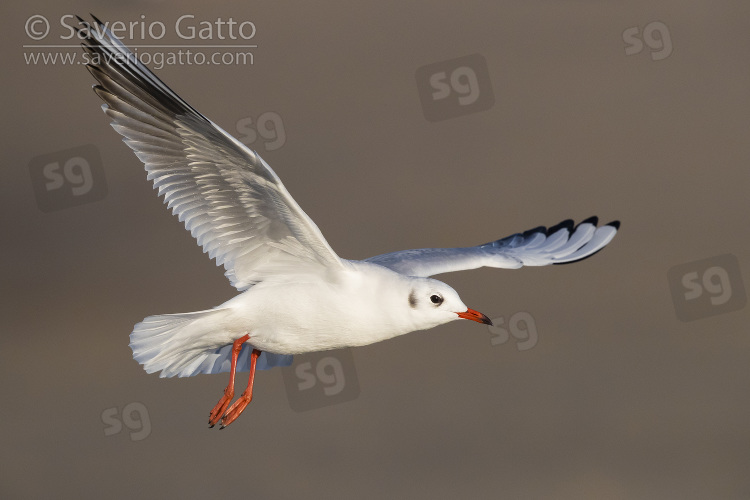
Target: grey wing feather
x: 563, y: 243
x: 227, y: 196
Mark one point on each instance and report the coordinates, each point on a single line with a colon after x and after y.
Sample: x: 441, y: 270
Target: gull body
x: 360, y: 305
x: 297, y: 295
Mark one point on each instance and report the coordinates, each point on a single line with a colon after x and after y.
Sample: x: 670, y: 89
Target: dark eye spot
x: 436, y: 299
x: 413, y: 300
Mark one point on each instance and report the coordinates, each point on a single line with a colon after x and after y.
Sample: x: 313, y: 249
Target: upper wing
x: 560, y: 244
x: 229, y: 198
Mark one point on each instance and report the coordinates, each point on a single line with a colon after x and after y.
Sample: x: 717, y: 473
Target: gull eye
x: 436, y: 299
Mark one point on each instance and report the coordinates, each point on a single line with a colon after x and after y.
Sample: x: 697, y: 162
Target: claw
x: 220, y: 408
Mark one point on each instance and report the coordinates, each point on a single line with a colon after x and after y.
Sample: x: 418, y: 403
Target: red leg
x: 221, y: 406
x: 239, y: 406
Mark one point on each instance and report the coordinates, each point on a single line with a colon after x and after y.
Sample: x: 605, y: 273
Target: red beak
x: 475, y: 316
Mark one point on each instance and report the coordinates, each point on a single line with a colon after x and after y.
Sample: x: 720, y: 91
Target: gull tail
x: 185, y: 344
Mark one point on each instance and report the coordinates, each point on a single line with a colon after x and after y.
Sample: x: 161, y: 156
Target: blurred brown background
x: 618, y: 399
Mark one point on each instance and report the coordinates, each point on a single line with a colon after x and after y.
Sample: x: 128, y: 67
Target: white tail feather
x: 181, y: 345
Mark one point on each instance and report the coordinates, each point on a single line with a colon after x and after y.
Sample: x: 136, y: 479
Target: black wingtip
x: 82, y: 23
x: 566, y: 224
x: 591, y: 220
x: 594, y: 220
x: 96, y: 19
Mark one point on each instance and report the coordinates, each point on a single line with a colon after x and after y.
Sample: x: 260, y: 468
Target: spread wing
x: 228, y: 197
x: 560, y: 244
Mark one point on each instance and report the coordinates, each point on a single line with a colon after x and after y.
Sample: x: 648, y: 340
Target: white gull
x: 297, y: 295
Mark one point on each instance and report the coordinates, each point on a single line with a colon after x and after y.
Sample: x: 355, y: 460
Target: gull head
x: 432, y: 302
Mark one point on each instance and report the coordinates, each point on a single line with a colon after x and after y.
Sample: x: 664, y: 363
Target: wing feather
x: 560, y: 244
x: 230, y: 200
